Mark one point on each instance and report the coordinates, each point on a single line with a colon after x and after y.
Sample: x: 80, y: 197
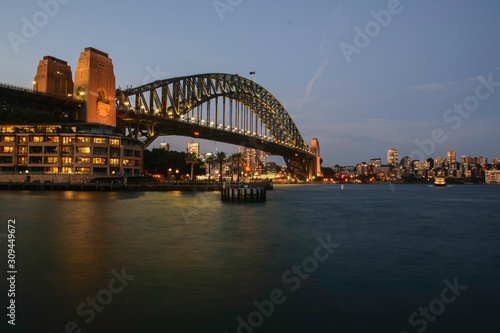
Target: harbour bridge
x: 220, y: 107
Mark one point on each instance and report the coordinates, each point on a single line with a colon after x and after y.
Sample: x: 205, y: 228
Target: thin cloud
x: 428, y: 87
x: 323, y: 65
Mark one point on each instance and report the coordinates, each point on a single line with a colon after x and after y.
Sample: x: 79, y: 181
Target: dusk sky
x: 399, y: 82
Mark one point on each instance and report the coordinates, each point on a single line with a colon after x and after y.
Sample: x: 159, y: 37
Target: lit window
x: 23, y: 139
x: 100, y: 161
x: 68, y: 140
x: 114, y: 161
x: 52, y: 170
x: 37, y: 139
x: 82, y: 160
x: 9, y: 138
x: 51, y: 160
x: 67, y: 160
x: 83, y: 150
x: 67, y: 150
x: 7, y: 150
x: 100, y: 140
x: 114, y: 142
x: 53, y: 139
x: 67, y: 170
x: 83, y: 170
x: 84, y: 139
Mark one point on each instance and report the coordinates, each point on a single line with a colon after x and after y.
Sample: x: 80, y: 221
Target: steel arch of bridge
x: 251, y: 116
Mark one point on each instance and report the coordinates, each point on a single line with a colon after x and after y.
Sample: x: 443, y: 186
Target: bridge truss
x: 222, y: 107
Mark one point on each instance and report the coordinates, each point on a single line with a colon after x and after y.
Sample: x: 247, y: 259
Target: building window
x: 22, y: 160
x: 84, y: 139
x: 67, y: 150
x: 68, y: 140
x: 114, y: 161
x: 137, y: 153
x: 37, y: 139
x: 52, y: 139
x: 127, y: 152
x: 83, y: 150
x: 23, y: 139
x: 6, y: 160
x: 36, y: 150
x: 100, y: 151
x: 9, y: 139
x: 100, y: 140
x: 83, y: 170
x: 52, y: 170
x: 67, y: 170
x: 50, y: 150
x: 126, y: 162
x: 101, y: 171
x: 100, y: 161
x: 67, y: 160
x: 7, y: 150
x: 82, y: 160
x: 50, y: 160
x: 35, y: 160
x: 114, y: 142
x: 115, y: 151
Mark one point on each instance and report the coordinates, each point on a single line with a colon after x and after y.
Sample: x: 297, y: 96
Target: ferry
x: 440, y: 181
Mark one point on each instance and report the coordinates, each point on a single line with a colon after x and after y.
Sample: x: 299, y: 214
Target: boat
x: 440, y: 181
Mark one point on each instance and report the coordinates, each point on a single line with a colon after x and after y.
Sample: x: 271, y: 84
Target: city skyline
x: 422, y: 88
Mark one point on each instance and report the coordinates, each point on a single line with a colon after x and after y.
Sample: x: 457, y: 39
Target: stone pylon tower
x: 315, y: 164
x: 53, y: 76
x: 95, y: 84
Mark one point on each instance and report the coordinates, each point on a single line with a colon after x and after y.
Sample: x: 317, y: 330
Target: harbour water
x: 312, y: 258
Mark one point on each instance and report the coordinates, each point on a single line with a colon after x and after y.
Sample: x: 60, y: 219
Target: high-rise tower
x: 392, y: 157
x: 95, y: 84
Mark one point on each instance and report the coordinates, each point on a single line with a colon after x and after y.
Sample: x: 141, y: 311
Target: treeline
x: 167, y: 163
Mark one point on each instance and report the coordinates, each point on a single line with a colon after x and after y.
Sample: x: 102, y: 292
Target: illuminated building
x: 255, y: 159
x: 376, y: 162
x: 193, y: 148
x: 492, y: 176
x: 392, y: 156
x: 68, y: 149
x: 452, y: 156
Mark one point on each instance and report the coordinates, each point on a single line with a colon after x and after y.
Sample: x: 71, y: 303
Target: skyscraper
x: 193, y: 147
x: 452, y: 156
x: 255, y: 159
x: 392, y: 156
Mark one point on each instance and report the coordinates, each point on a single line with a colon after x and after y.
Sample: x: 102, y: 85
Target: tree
x: 192, y: 159
x: 161, y: 161
x: 238, y: 159
x: 220, y: 158
x: 431, y: 163
x: 210, y: 161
